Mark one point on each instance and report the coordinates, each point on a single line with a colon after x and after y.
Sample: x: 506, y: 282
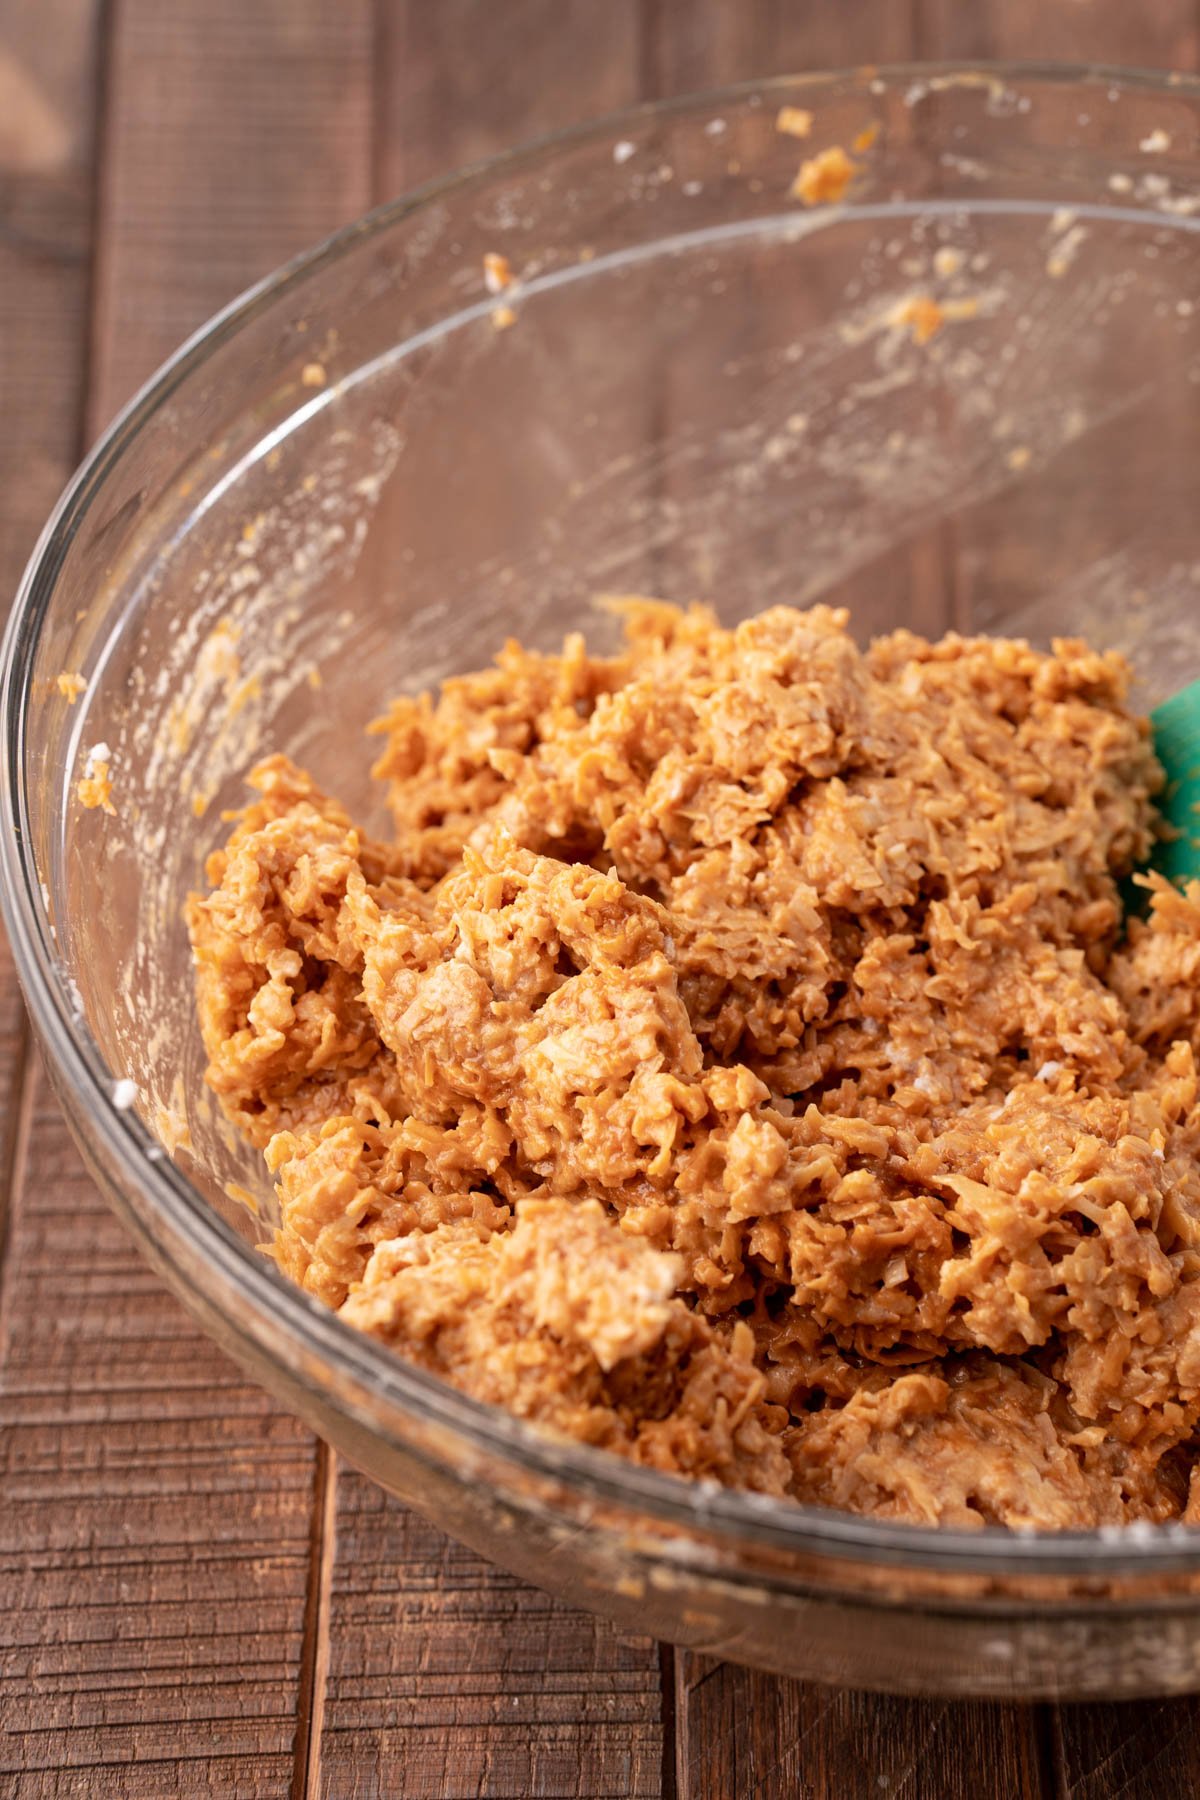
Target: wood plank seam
x: 16, y: 1155
x: 105, y: 29
x: 667, y: 1660
x: 107, y: 22
x: 649, y: 51
x: 1051, y: 1765
x: 313, y: 1679
x: 380, y: 110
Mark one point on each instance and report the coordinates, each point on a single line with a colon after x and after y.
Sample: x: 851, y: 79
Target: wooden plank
x: 47, y: 61
x: 448, y: 1678
x: 47, y: 52
x: 1146, y: 1750
x: 1155, y: 34
x: 759, y: 1738
x: 706, y: 45
x: 459, y: 81
x: 242, y: 134
x: 155, y: 1532
x: 154, y: 1527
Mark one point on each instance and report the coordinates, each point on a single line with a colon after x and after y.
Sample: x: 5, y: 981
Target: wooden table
x: 195, y: 1599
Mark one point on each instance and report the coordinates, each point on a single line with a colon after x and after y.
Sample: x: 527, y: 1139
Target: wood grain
x: 1162, y: 34
x: 458, y: 80
x: 47, y: 59
x: 710, y: 44
x: 1146, y: 1750
x: 448, y: 1678
x: 751, y: 1735
x: 154, y: 1532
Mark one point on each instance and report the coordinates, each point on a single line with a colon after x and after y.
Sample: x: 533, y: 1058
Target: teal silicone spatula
x: 1177, y: 740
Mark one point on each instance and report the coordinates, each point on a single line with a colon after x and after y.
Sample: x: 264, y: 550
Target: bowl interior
x: 965, y: 396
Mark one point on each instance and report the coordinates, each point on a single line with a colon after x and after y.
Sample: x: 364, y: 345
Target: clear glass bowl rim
x: 734, y: 1518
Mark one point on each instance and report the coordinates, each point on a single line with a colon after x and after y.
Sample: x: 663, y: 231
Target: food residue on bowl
x: 923, y: 316
x: 497, y: 272
x: 95, y: 787
x: 823, y: 179
x: 794, y: 121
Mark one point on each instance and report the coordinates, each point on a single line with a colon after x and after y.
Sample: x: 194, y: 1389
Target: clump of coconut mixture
x: 736, y: 1058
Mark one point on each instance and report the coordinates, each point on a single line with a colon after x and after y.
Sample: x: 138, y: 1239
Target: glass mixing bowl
x: 966, y: 394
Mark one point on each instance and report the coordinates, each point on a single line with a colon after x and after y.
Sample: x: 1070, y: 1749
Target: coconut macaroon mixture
x: 737, y: 1058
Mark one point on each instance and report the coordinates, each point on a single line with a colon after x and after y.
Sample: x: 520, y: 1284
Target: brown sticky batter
x: 736, y: 1058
